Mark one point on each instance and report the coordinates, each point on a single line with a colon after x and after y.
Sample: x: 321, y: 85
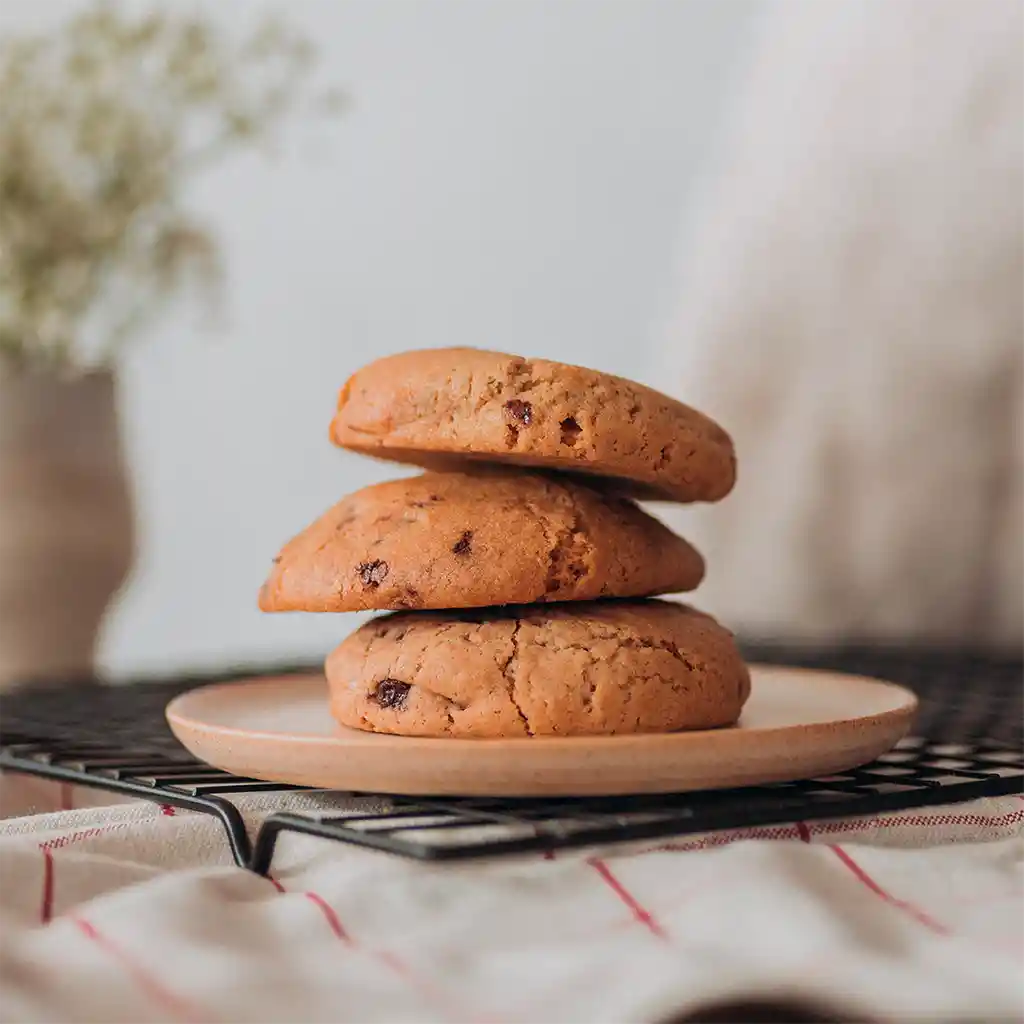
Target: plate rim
x: 906, y: 709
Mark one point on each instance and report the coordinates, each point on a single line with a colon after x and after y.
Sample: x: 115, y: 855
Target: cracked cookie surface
x: 453, y: 540
x: 596, y: 668
x: 442, y: 408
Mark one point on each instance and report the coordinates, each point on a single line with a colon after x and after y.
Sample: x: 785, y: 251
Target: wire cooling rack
x: 966, y: 744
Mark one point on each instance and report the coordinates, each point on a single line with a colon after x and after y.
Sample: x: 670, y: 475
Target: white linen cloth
x: 134, y: 913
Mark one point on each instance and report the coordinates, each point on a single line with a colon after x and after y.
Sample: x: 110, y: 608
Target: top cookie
x: 439, y: 408
x: 459, y: 540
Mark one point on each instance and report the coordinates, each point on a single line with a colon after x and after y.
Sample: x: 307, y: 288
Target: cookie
x: 441, y: 408
x: 456, y: 540
x: 604, y: 667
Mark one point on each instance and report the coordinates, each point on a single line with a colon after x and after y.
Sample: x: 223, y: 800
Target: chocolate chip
x: 462, y: 546
x: 373, y: 574
x: 276, y: 560
x: 519, y: 410
x: 390, y: 693
x: 570, y: 431
x: 431, y: 499
x: 410, y: 599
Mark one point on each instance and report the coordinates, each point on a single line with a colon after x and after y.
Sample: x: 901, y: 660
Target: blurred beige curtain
x: 851, y: 311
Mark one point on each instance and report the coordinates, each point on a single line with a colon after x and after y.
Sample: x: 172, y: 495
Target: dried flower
x: 102, y: 126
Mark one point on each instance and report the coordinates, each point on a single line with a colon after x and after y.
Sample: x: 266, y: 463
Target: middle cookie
x: 455, y: 540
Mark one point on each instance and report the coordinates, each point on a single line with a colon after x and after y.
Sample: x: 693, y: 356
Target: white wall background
x: 512, y: 175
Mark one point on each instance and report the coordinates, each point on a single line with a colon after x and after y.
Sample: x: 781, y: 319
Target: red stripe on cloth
x: 803, y: 832
x: 46, y: 901
x: 331, y: 916
x: 927, y: 821
x: 390, y: 960
x: 638, y: 911
x: 60, y: 842
x: 49, y: 870
x: 171, y: 1002
x: 831, y: 827
x: 425, y: 987
x: 908, y: 908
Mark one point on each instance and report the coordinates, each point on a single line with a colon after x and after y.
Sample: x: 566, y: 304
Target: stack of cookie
x: 518, y: 567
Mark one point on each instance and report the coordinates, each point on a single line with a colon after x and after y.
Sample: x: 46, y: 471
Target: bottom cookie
x: 586, y: 669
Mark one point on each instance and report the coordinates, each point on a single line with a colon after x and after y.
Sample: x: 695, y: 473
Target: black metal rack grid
x: 966, y: 744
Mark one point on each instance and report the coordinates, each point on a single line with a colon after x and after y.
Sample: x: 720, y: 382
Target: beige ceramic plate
x: 797, y: 724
